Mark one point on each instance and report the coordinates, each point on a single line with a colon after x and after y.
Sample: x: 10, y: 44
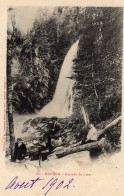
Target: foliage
x: 98, y: 66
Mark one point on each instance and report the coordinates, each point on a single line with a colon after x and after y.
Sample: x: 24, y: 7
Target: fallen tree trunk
x: 85, y: 147
x: 103, y: 131
x: 88, y: 146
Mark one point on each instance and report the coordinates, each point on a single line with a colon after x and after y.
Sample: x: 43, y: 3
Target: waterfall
x: 62, y: 102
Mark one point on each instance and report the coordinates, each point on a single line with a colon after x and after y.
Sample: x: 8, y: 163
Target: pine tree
x: 10, y: 54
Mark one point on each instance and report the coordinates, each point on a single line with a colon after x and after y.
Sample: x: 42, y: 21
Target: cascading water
x: 62, y: 102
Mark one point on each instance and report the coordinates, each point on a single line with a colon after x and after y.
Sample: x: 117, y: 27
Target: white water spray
x: 62, y: 102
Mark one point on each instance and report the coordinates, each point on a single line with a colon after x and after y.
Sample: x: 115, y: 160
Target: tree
x: 13, y: 40
x: 98, y: 66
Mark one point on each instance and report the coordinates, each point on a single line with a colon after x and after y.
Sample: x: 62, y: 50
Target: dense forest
x: 36, y: 59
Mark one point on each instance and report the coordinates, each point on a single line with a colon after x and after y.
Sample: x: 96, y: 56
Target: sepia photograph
x: 64, y: 85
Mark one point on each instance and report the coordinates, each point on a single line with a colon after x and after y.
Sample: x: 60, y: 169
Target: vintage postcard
x: 61, y: 98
